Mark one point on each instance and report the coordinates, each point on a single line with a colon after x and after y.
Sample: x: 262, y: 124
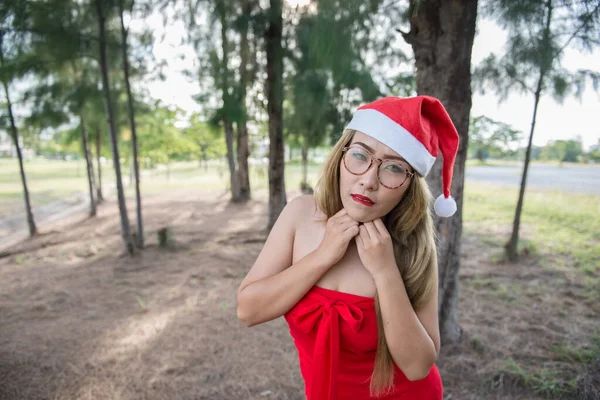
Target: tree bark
x: 136, y: 167
x: 233, y: 176
x: 277, y: 195
x: 227, y: 104
x: 441, y: 36
x: 242, y: 133
x: 512, y: 247
x: 305, y: 161
x: 125, y: 230
x: 15, y: 135
x: 89, y: 165
x: 99, y: 196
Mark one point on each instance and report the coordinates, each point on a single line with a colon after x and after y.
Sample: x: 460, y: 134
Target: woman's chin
x: 359, y: 213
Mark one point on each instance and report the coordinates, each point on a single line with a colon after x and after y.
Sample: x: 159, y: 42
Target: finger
x: 347, y: 218
x: 381, y: 227
x: 364, y: 234
x: 337, y: 217
x: 359, y: 242
x: 347, y: 225
x: 351, y: 232
x: 373, y: 233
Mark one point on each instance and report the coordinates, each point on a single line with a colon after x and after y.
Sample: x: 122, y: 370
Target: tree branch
x: 587, y: 18
x: 407, y: 36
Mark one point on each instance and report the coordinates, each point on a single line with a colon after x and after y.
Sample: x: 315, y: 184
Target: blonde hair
x: 411, y: 227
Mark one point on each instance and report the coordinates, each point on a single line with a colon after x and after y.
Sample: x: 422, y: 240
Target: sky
x: 554, y: 121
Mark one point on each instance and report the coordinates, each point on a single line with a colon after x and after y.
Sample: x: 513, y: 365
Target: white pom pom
x: 444, y: 207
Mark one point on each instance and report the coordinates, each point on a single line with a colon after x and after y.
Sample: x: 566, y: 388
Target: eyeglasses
x: 391, y: 174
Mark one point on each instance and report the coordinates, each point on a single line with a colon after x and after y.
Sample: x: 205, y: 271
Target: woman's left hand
x: 375, y: 247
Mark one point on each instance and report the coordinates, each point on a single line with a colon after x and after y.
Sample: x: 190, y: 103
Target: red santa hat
x: 416, y: 128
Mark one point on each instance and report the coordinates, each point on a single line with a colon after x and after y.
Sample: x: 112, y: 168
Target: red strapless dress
x: 336, y: 337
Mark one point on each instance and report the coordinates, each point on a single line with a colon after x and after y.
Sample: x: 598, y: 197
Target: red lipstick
x: 364, y: 200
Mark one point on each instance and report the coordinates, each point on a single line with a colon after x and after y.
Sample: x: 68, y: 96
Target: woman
x: 354, y: 269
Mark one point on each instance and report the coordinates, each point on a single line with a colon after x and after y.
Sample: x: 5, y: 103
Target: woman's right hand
x: 340, y: 229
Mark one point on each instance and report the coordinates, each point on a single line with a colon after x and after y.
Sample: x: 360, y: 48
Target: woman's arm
x: 273, y: 285
x: 413, y: 338
x: 269, y: 298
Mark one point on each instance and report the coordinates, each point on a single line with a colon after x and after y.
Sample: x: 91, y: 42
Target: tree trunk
x: 233, y: 176
x: 15, y: 135
x: 89, y: 165
x: 131, y: 176
x: 242, y: 132
x: 136, y: 167
x: 227, y: 104
x: 243, y: 154
x: 277, y: 195
x: 479, y: 155
x: 441, y: 36
x: 512, y: 247
x: 305, y: 161
x: 99, y: 196
x: 125, y: 230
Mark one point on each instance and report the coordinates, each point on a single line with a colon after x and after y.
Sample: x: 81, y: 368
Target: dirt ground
x: 80, y: 320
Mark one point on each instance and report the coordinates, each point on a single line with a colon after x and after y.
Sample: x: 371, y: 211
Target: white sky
x: 555, y: 121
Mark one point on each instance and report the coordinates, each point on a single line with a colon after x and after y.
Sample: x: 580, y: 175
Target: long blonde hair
x: 411, y: 227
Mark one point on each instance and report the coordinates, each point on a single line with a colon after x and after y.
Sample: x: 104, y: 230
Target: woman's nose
x: 369, y: 179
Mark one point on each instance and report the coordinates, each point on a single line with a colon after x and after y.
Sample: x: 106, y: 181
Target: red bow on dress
x: 325, y: 316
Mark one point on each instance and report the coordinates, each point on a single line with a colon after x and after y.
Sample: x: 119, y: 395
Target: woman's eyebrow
x: 387, y: 156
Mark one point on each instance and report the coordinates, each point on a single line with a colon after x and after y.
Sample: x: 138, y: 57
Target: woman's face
x: 364, y: 196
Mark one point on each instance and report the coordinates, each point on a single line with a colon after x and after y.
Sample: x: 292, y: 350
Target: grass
x: 584, y: 354
x: 50, y: 180
x: 561, y: 230
x: 560, y: 223
x: 550, y: 379
x: 541, y: 380
x: 47, y: 181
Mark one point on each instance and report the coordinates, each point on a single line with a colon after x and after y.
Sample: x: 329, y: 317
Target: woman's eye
x: 396, y: 169
x: 359, y: 156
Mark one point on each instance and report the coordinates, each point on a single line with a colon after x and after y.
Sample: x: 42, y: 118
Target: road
x: 569, y: 178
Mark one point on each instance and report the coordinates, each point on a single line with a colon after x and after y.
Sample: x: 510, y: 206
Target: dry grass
x: 79, y: 320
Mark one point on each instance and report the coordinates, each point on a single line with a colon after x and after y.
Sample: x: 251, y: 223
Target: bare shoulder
x: 277, y: 252
x: 302, y: 205
x: 304, y: 208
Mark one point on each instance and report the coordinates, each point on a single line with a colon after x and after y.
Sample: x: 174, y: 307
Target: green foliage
x: 489, y: 138
x: 160, y: 140
x: 539, y: 32
x: 210, y: 144
x: 341, y: 57
x: 594, y: 153
x: 563, y: 150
